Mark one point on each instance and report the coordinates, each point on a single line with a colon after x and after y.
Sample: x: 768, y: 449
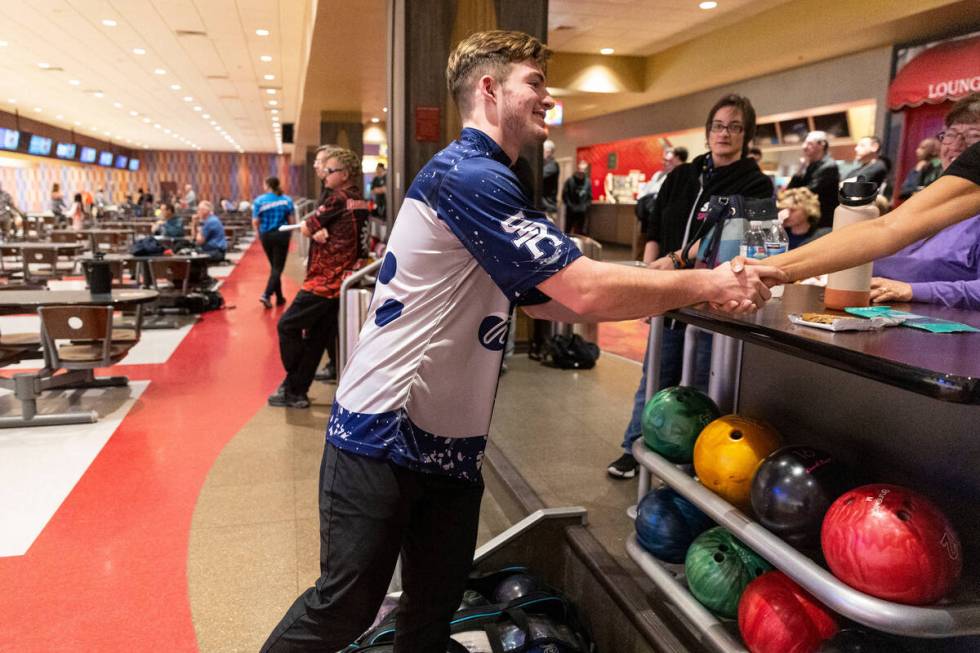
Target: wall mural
x: 214, y: 175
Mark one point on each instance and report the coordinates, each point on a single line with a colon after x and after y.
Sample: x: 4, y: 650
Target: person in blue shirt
x: 410, y: 420
x: 270, y: 211
x: 209, y: 232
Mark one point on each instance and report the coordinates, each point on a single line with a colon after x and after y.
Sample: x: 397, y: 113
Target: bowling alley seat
x: 40, y: 265
x: 80, y: 337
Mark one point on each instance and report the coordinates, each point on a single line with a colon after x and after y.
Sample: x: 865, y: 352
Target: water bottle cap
x: 858, y: 193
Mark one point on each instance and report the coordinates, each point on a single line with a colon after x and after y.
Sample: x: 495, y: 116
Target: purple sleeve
x: 953, y: 294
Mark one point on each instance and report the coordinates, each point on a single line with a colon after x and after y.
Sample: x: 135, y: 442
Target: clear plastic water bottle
x: 753, y: 242
x: 777, y: 242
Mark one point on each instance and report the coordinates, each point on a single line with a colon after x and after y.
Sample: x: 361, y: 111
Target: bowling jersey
x: 419, y: 387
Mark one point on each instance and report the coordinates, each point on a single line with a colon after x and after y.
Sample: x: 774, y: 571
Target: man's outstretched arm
x: 589, y: 290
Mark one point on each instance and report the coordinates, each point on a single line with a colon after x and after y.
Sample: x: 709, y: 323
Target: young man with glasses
x: 336, y: 231
x: 726, y: 169
x: 407, y: 432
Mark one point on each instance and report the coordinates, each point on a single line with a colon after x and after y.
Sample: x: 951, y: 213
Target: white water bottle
x: 852, y: 287
x: 777, y: 242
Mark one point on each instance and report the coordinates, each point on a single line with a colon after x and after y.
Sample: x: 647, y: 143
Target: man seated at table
x: 209, y: 232
x: 170, y: 224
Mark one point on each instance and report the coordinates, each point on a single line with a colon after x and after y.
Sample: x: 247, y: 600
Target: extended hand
x: 888, y: 290
x: 662, y: 263
x: 741, y: 288
x: 320, y: 236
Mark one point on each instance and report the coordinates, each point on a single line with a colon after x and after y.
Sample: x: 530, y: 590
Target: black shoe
x: 623, y: 467
x: 328, y: 373
x: 280, y: 300
x: 265, y: 301
x: 282, y: 399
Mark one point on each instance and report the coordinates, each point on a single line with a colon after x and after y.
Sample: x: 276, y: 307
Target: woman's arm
x: 946, y: 201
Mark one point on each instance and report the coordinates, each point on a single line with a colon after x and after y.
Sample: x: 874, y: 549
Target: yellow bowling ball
x: 727, y: 453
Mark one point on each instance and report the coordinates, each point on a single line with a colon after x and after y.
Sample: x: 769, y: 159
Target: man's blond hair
x: 489, y: 53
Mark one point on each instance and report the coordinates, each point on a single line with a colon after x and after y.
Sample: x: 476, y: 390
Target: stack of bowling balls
x: 884, y: 540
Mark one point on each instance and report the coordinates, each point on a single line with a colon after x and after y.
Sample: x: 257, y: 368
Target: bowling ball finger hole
x: 903, y: 515
x: 735, y: 435
x: 723, y: 547
x: 719, y: 558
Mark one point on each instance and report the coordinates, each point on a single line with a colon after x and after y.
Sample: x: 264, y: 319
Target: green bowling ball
x: 718, y: 568
x: 673, y: 419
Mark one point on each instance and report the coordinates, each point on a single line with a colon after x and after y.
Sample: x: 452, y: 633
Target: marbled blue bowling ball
x: 667, y: 523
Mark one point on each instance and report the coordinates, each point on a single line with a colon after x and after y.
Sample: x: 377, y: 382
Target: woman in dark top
x: 726, y: 169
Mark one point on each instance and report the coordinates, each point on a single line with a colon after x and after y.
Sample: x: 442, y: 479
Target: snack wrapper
x: 829, y: 322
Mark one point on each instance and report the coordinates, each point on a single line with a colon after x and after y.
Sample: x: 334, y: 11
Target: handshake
x: 742, y: 285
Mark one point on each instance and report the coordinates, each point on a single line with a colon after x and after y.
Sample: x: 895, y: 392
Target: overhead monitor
x: 39, y: 145
x: 88, y: 155
x: 121, y: 161
x: 65, y: 151
x: 9, y: 139
x: 105, y: 159
x: 134, y: 164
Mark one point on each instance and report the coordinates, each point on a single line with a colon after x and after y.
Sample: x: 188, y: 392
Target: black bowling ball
x: 855, y: 640
x: 792, y: 489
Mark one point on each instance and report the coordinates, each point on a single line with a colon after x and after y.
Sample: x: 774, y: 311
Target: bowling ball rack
x: 942, y: 620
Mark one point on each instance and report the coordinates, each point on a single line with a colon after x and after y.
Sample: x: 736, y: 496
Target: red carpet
x: 108, y: 573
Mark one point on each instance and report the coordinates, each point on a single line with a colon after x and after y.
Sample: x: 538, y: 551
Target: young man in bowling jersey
x: 405, y: 439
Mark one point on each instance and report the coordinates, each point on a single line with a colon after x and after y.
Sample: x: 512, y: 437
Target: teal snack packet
x: 930, y: 324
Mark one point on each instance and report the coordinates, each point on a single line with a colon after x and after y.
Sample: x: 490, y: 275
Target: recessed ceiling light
x: 375, y: 120
x: 606, y: 51
x: 12, y: 100
x: 198, y: 109
x: 3, y: 44
x: 74, y: 82
x: 206, y: 116
x: 134, y: 113
x: 108, y: 22
x: 44, y: 65
x: 38, y: 109
x: 159, y: 71
x: 385, y: 109
x: 59, y: 117
x: 139, y: 51
x: 118, y: 105
x: 266, y: 58
x: 78, y: 124
x: 147, y: 120
x: 262, y: 32
x: 99, y: 94
x: 214, y: 122
x: 166, y: 131
x: 273, y: 103
x: 708, y: 4
x: 188, y: 98
x: 274, y: 111
x: 270, y: 91
x: 107, y: 133
x: 268, y: 78
x: 156, y: 125
x: 175, y: 87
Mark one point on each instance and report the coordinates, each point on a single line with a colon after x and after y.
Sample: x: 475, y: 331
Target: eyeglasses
x: 734, y: 128
x: 330, y: 171
x: 950, y: 136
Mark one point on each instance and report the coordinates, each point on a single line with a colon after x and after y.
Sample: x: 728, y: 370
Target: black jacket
x: 683, y: 189
x: 577, y: 195
x: 823, y: 178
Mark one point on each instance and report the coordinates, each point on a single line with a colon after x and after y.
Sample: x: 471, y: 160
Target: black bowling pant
x: 276, y: 247
x: 370, y: 511
x: 307, y: 327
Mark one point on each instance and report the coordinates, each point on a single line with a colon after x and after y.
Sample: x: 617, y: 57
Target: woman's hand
x: 888, y: 290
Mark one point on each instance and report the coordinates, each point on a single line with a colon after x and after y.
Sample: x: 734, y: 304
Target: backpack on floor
x: 569, y: 352
x: 200, y: 301
x: 540, y: 621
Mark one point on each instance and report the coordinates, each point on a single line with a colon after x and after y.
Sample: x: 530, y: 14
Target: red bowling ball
x: 775, y: 615
x: 890, y: 542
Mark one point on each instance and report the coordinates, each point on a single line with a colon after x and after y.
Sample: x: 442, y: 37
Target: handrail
x: 934, y: 621
x: 341, y: 361
x: 710, y: 631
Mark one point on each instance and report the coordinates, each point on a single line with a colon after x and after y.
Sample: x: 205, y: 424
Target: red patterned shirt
x: 343, y: 213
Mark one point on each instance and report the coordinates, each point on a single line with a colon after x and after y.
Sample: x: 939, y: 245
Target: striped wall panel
x: 214, y: 175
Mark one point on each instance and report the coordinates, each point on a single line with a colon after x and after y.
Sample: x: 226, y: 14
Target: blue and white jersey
x: 420, y: 384
x: 272, y: 211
